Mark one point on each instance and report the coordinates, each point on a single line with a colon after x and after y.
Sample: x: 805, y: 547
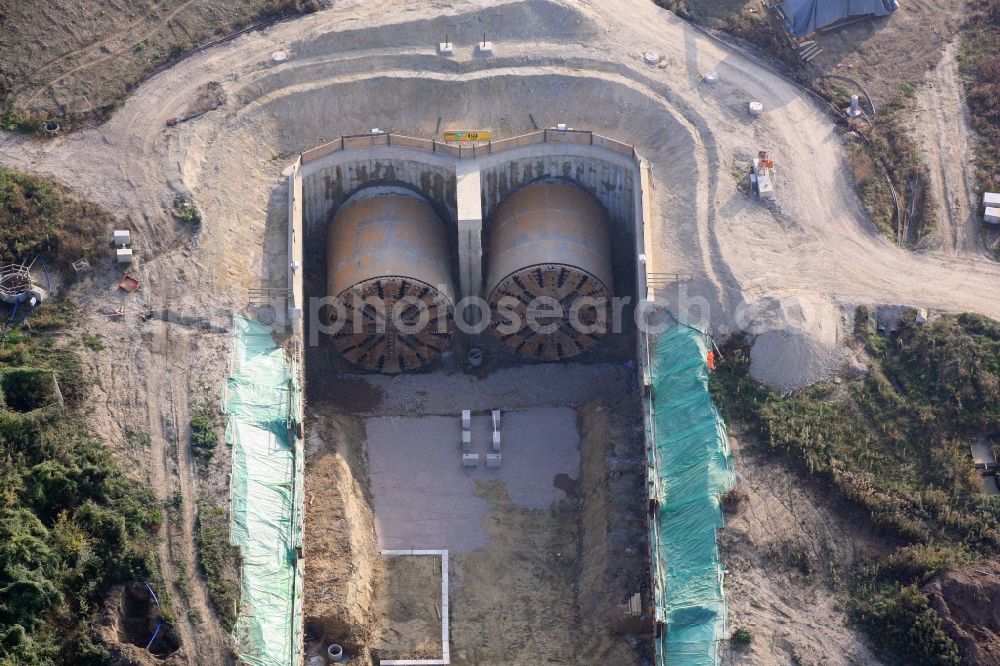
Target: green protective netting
x: 693, y: 468
x: 262, y: 400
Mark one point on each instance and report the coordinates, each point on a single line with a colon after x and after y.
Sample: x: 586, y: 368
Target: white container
x: 123, y: 255
x: 122, y: 237
x: 470, y: 460
x: 756, y: 108
x: 493, y: 460
x: 651, y: 57
x: 765, y: 189
x: 711, y: 77
x: 485, y: 48
x: 992, y: 216
x: 991, y: 199
x: 445, y: 49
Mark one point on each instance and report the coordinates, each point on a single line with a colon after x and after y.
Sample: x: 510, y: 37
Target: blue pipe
x: 155, y: 634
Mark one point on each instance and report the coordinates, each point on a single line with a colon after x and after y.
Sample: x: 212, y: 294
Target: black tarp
x: 804, y: 17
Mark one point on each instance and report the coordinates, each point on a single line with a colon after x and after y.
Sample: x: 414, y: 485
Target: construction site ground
x: 518, y: 537
x: 924, y: 82
x: 580, y: 63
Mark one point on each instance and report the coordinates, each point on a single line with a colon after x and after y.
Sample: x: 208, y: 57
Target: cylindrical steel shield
x: 550, y: 276
x: 388, y: 268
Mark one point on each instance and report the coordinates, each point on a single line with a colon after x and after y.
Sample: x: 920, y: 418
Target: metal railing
x: 468, y: 151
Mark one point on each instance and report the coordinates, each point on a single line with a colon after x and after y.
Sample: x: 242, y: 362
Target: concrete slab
x: 423, y: 496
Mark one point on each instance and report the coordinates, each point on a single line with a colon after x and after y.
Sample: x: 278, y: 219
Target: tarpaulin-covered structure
x: 691, y: 469
x: 263, y: 401
x: 804, y: 17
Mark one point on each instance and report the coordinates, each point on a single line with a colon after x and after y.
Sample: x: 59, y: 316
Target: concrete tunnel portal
x: 396, y: 250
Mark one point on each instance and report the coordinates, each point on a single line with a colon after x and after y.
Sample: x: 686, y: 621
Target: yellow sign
x: 468, y: 135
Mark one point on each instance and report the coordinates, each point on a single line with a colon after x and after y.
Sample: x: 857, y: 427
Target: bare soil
x: 413, y: 622
x: 344, y: 573
x: 77, y: 57
x: 941, y: 126
x: 966, y: 600
x: 786, y: 550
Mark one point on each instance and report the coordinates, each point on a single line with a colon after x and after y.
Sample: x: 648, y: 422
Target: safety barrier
x: 468, y: 151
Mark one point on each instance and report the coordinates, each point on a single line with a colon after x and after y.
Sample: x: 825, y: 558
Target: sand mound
x: 797, y: 342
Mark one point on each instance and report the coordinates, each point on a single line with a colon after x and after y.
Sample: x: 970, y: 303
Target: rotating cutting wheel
x: 392, y: 324
x: 579, y: 326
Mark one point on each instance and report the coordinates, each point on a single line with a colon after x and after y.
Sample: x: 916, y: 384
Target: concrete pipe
x: 549, y: 271
x: 335, y: 654
x: 388, y: 269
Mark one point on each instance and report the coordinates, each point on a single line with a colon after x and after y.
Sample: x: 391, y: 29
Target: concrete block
x: 484, y: 48
x: 466, y: 440
x: 992, y: 216
x: 122, y: 237
x: 124, y: 255
x: 493, y: 460
x: 445, y: 49
x: 991, y: 199
x: 496, y: 440
x: 496, y: 419
x: 756, y: 108
x: 466, y: 419
x: 470, y: 460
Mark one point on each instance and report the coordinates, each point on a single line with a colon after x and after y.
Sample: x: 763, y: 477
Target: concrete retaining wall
x: 330, y: 180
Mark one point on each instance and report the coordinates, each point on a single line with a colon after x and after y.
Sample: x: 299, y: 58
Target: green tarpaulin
x: 692, y: 469
x: 262, y: 400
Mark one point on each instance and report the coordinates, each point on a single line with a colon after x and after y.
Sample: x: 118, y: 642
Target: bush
x: 743, y: 636
x: 900, y: 618
x: 220, y: 562
x: 39, y: 217
x: 186, y: 211
x: 71, y: 523
x: 204, y: 434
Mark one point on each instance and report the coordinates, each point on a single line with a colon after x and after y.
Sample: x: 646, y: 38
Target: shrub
x: 220, y: 561
x: 39, y: 217
x: 743, y: 636
x: 71, y: 522
x: 204, y: 434
x: 900, y: 618
x: 186, y: 211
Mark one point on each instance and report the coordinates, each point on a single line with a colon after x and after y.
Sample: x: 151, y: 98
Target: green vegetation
x: 71, y: 523
x: 186, y: 211
x: 39, y: 217
x: 743, y: 636
x: 889, y: 144
x: 895, y: 442
x: 980, y: 65
x: 220, y: 562
x: 204, y: 434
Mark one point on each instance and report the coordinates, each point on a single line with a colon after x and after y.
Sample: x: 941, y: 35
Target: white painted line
x: 445, y: 638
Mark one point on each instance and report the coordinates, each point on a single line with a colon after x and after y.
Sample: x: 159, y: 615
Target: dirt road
x: 943, y: 129
x: 172, y: 478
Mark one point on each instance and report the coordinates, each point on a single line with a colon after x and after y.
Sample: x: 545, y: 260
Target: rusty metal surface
x: 550, y: 240
x: 382, y: 251
x: 549, y: 223
x: 390, y: 234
